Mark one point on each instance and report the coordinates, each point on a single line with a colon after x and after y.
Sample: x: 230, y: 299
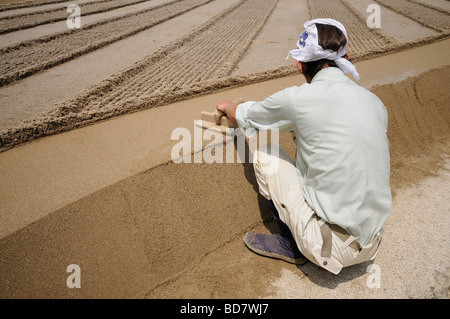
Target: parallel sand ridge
x: 155, y: 80
x: 35, y: 55
x: 32, y: 19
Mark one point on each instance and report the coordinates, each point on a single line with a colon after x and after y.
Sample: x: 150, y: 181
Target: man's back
x: 343, y: 152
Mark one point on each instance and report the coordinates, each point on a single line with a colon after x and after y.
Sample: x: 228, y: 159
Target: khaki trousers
x: 278, y: 180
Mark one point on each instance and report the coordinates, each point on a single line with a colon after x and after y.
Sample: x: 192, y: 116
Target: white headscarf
x: 309, y: 49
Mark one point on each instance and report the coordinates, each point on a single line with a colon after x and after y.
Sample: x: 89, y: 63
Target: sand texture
x: 29, y: 20
x: 165, y: 235
x: 425, y: 15
x: 59, y: 48
x: 208, y: 56
x: 86, y: 170
x: 16, y: 4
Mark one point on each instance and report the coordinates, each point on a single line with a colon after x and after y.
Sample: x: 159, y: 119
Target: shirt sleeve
x: 273, y: 112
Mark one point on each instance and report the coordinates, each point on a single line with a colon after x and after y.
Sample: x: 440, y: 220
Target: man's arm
x: 274, y: 112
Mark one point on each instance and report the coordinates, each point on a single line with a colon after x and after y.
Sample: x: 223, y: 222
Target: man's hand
x: 229, y: 108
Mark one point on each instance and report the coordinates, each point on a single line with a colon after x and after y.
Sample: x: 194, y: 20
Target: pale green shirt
x: 342, y: 148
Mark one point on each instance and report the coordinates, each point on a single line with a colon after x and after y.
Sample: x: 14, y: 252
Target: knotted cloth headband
x: 309, y: 49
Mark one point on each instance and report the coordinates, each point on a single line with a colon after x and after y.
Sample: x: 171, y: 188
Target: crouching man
x: 332, y: 202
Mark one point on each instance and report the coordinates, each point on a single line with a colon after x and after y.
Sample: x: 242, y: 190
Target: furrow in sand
x: 171, y: 73
x: 426, y: 15
x: 442, y: 6
x: 33, y: 19
x: 30, y: 57
x: 212, y: 53
x: 43, y: 7
x: 362, y: 40
x: 28, y: 4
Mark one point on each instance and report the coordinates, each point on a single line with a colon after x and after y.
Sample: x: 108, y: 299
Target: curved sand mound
x: 202, y: 61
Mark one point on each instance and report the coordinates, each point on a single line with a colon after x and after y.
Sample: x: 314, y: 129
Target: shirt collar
x: 331, y: 74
